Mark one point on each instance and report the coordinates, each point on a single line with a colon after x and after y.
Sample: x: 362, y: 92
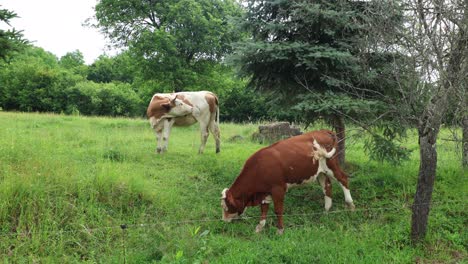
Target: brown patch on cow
x: 181, y: 97
x: 212, y: 101
x: 156, y: 107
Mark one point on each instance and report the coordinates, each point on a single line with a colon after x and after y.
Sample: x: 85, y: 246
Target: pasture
x: 68, y: 183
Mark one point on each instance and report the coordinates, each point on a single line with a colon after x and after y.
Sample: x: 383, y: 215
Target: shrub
x: 110, y: 99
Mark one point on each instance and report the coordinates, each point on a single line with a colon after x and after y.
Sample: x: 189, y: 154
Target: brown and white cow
x: 184, y: 109
x: 268, y: 173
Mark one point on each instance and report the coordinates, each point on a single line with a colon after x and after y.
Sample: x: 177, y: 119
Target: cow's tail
x: 321, y: 152
x: 217, y: 110
x: 217, y: 115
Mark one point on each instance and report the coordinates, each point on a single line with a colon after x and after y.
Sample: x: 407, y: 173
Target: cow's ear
x: 231, y: 200
x: 166, y: 106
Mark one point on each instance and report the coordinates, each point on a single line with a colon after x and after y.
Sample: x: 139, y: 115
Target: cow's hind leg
x: 342, y: 179
x: 204, y: 134
x: 347, y: 195
x: 214, y: 129
x: 326, y: 188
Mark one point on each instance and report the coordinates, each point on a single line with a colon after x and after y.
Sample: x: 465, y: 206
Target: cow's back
x: 204, y: 101
x: 289, y: 161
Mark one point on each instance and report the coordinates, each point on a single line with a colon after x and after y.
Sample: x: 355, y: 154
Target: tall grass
x: 68, y: 183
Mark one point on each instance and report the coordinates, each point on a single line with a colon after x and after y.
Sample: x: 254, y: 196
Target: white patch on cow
x: 223, y: 193
x: 267, y: 200
x: 223, y: 199
x: 320, y: 155
x: 154, y: 122
x: 260, y: 226
x: 328, y: 203
x: 229, y: 217
x: 180, y: 109
x: 320, y: 152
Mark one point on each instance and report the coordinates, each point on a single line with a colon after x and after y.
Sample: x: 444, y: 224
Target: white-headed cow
x: 184, y: 109
x: 269, y: 172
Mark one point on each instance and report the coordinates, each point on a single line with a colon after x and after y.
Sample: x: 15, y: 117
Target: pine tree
x: 11, y: 39
x: 316, y: 58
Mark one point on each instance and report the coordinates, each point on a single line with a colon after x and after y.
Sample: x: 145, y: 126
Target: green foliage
x: 36, y: 81
x: 170, y: 38
x: 243, y: 105
x: 312, y: 105
x: 33, y: 81
x: 68, y: 183
x: 11, y: 40
x: 107, y: 69
x: 316, y: 58
x: 74, y: 61
x: 112, y: 99
x: 383, y: 149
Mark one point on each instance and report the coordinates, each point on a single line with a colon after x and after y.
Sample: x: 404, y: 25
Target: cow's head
x: 230, y: 211
x: 177, y: 107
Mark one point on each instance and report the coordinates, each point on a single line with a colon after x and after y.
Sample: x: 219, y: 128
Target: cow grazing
x: 268, y: 173
x: 184, y: 109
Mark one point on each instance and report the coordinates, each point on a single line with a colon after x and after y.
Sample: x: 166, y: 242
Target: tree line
x: 178, y: 51
x: 383, y: 66
x: 35, y: 80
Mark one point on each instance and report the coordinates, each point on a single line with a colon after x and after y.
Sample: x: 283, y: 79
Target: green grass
x: 67, y: 183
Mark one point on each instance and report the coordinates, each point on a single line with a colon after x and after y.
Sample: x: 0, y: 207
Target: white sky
x: 56, y: 26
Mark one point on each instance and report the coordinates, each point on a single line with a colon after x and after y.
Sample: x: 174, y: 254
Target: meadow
x: 91, y: 189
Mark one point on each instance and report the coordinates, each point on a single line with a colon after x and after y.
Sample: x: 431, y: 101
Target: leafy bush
x: 111, y: 99
x: 243, y: 104
x: 34, y: 82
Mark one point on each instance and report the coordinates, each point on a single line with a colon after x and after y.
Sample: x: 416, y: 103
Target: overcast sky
x: 56, y: 26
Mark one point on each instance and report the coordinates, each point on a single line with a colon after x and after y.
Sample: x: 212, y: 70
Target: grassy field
x: 68, y: 183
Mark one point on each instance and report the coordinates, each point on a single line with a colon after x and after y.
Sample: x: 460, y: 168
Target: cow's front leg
x: 166, y: 132
x: 278, y: 202
x: 326, y: 188
x: 264, y: 209
x: 158, y: 140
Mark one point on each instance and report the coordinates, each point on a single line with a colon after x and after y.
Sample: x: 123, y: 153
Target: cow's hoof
x: 217, y: 150
x: 259, y: 228
x: 280, y: 231
x: 158, y: 150
x: 351, y: 207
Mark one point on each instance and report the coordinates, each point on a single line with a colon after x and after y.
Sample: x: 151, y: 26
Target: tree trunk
x: 340, y: 129
x: 427, y: 173
x: 428, y: 131
x: 464, y: 119
x: 465, y: 139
